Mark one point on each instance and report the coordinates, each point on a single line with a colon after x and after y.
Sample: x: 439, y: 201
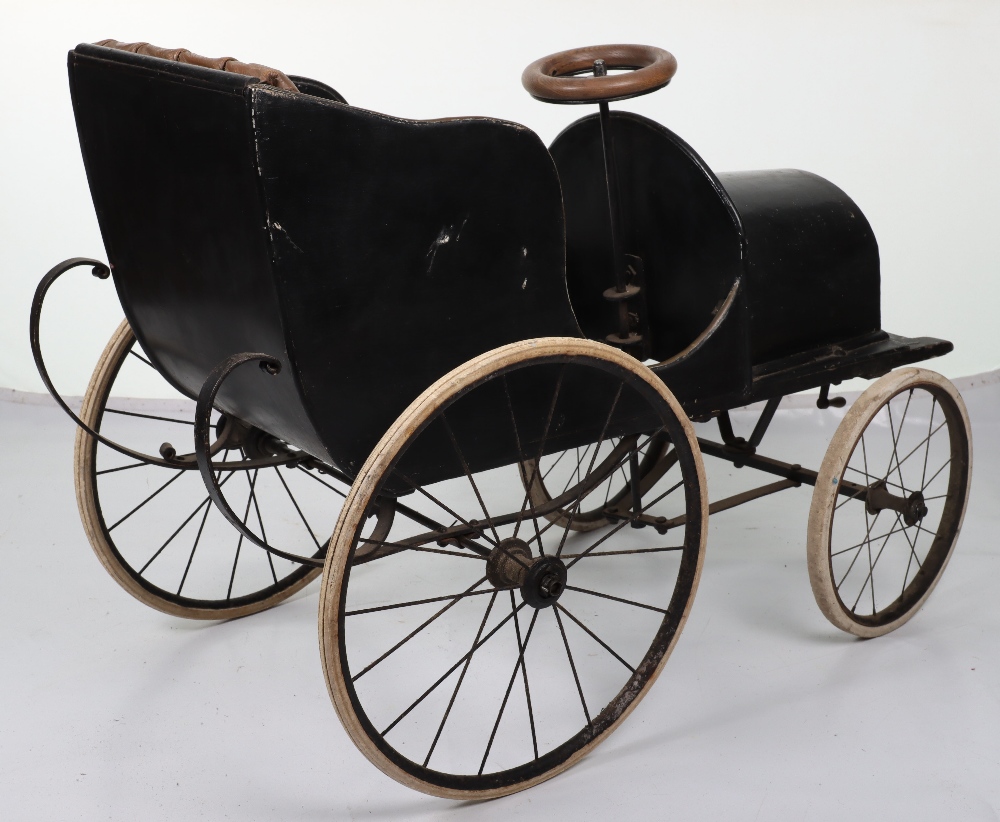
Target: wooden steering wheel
x: 560, y: 77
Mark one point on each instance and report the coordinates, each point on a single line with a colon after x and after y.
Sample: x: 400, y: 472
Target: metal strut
x: 627, y: 293
x: 738, y: 443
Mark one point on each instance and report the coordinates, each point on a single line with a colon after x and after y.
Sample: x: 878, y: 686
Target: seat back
x: 370, y: 254
x: 402, y: 249
x: 675, y: 216
x: 170, y: 158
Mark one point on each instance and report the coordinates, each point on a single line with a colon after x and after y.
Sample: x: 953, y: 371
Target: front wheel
x: 889, y: 502
x: 490, y: 648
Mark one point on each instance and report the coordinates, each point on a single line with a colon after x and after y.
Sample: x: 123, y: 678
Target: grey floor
x: 765, y: 711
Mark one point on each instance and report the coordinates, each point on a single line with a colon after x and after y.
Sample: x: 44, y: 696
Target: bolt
x: 550, y: 586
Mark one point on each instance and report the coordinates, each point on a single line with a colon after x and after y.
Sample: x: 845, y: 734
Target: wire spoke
x: 590, y: 468
x: 180, y: 528
x: 147, y: 416
x: 194, y: 548
x: 454, y: 667
x: 927, y: 450
x: 417, y: 630
x: 575, y: 474
x: 607, y: 490
x: 665, y: 494
x: 548, y: 418
x: 875, y: 479
x: 606, y: 537
x: 581, y: 457
x: 594, y: 488
x: 537, y: 537
x: 197, y: 539
x: 461, y: 678
x: 298, y: 510
x: 870, y: 581
x: 521, y: 648
x: 864, y: 455
x: 895, y: 438
x: 859, y: 546
x: 142, y: 358
x: 552, y: 467
x: 617, y: 599
x: 871, y: 572
x: 239, y: 547
x: 588, y: 554
x: 541, y: 449
x: 924, y: 441
x: 311, y: 475
x: 586, y: 494
x: 468, y: 475
x: 528, y: 481
x: 596, y: 638
x: 572, y: 665
x: 403, y: 546
x: 862, y: 543
x: 853, y: 496
x: 506, y: 696
x: 260, y: 521
x: 426, y: 601
x: 148, y: 499
x: 869, y: 522
x: 909, y: 564
x: 895, y: 454
x: 946, y: 464
x: 913, y: 556
x: 120, y: 468
x: 467, y: 523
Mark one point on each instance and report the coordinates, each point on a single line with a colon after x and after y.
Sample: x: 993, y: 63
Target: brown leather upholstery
x: 265, y: 74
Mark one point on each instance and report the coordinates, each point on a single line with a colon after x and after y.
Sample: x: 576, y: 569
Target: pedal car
x: 482, y: 349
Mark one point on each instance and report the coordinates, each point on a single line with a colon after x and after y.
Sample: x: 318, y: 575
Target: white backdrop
x: 895, y: 102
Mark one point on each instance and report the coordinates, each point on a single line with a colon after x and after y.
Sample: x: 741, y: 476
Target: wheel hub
x: 913, y: 507
x: 542, y: 580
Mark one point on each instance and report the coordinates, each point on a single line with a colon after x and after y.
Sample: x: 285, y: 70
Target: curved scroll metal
x: 181, y: 462
x: 203, y: 443
x: 101, y: 271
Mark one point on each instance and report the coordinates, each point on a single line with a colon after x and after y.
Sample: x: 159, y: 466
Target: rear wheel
x: 153, y: 527
x: 490, y: 648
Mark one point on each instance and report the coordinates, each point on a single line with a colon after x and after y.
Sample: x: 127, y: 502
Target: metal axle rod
x: 789, y: 471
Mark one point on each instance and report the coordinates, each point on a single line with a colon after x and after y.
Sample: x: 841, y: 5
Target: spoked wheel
x: 153, y: 527
x: 560, y: 471
x: 491, y: 648
x: 889, y: 502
